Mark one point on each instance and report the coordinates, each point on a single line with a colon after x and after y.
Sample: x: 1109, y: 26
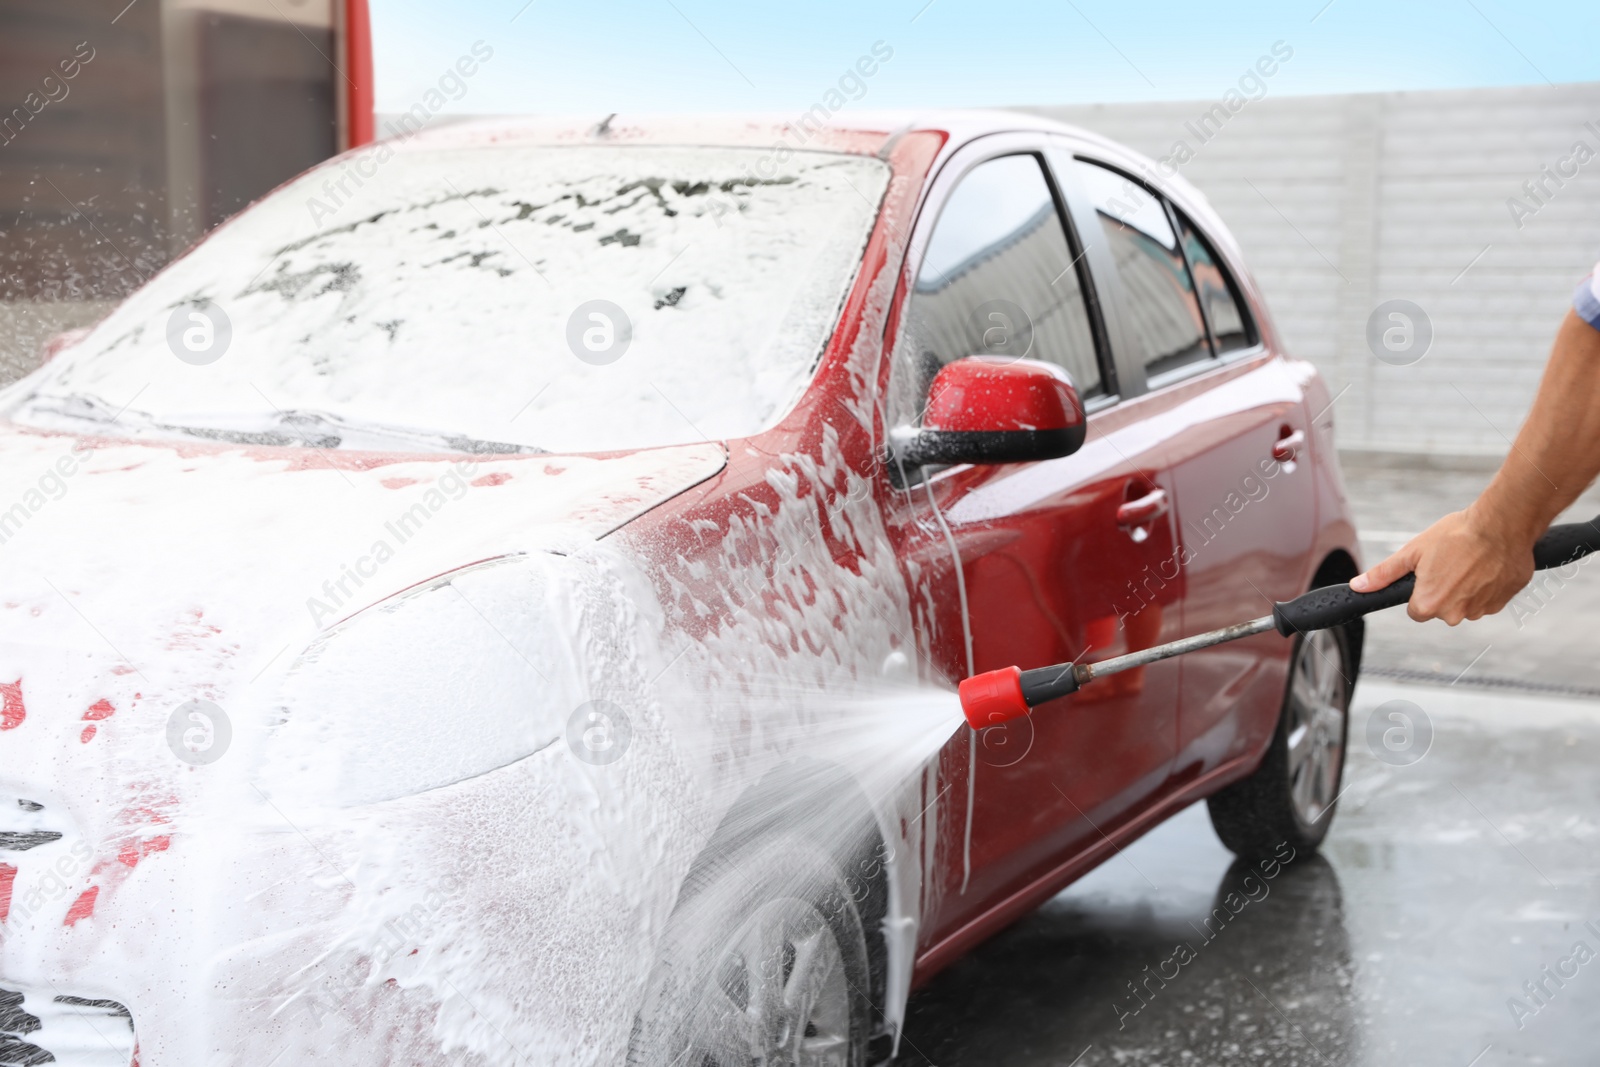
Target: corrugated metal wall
x: 1345, y: 202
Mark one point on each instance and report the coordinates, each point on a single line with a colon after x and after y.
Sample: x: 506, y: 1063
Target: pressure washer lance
x: 995, y: 697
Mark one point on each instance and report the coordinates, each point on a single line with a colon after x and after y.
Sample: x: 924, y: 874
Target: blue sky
x: 558, y: 56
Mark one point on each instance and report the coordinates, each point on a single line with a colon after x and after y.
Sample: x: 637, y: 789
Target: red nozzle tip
x: 993, y: 697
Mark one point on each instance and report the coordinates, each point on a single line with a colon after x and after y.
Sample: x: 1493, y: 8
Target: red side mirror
x: 986, y: 409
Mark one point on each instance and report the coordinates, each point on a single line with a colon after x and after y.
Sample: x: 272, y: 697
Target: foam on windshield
x: 435, y: 296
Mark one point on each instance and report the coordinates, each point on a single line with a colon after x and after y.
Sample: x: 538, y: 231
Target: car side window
x: 999, y: 278
x: 1231, y: 326
x: 1159, y: 299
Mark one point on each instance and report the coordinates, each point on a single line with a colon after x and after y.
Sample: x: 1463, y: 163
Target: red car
x: 497, y: 598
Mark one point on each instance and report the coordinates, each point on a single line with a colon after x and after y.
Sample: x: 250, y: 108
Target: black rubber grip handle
x: 1335, y: 605
x: 1566, y: 544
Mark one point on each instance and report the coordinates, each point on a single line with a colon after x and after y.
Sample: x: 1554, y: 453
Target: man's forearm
x: 1470, y: 563
x: 1557, y: 452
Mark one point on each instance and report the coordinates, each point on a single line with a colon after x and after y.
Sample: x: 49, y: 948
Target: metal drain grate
x: 1482, y: 681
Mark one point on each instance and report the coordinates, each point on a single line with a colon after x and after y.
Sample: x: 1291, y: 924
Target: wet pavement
x: 1460, y: 866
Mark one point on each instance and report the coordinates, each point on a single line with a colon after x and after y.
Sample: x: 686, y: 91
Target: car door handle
x: 1144, y: 510
x: 1287, y: 448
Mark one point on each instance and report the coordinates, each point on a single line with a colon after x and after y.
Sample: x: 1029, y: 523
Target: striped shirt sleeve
x: 1586, y: 301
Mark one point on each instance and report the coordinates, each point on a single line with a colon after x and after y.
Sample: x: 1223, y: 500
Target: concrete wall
x: 1344, y: 202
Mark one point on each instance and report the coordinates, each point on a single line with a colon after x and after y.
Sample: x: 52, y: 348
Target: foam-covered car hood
x: 190, y: 569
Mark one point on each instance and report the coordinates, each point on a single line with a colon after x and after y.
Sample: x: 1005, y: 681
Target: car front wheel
x: 764, y: 962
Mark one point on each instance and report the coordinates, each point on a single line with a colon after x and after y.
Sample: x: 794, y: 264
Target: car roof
x: 863, y: 132
x: 856, y: 132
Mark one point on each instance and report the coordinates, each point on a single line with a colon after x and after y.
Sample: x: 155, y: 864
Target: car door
x: 1048, y: 561
x: 1245, y: 501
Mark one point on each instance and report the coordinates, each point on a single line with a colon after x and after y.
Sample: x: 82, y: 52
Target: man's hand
x: 1466, y: 566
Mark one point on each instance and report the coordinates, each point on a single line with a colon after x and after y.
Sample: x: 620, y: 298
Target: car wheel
x: 764, y: 962
x: 1293, y: 794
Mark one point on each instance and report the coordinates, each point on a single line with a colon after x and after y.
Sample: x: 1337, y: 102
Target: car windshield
x: 559, y: 299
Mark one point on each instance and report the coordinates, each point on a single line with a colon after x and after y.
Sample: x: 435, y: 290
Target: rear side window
x: 999, y: 278
x: 1158, y: 293
x: 1231, y: 327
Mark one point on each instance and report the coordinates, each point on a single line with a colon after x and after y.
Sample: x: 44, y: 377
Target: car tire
x: 1292, y: 796
x: 764, y: 960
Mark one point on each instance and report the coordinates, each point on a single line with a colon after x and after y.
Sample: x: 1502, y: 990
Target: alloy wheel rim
x: 1317, y: 706
x: 778, y: 995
